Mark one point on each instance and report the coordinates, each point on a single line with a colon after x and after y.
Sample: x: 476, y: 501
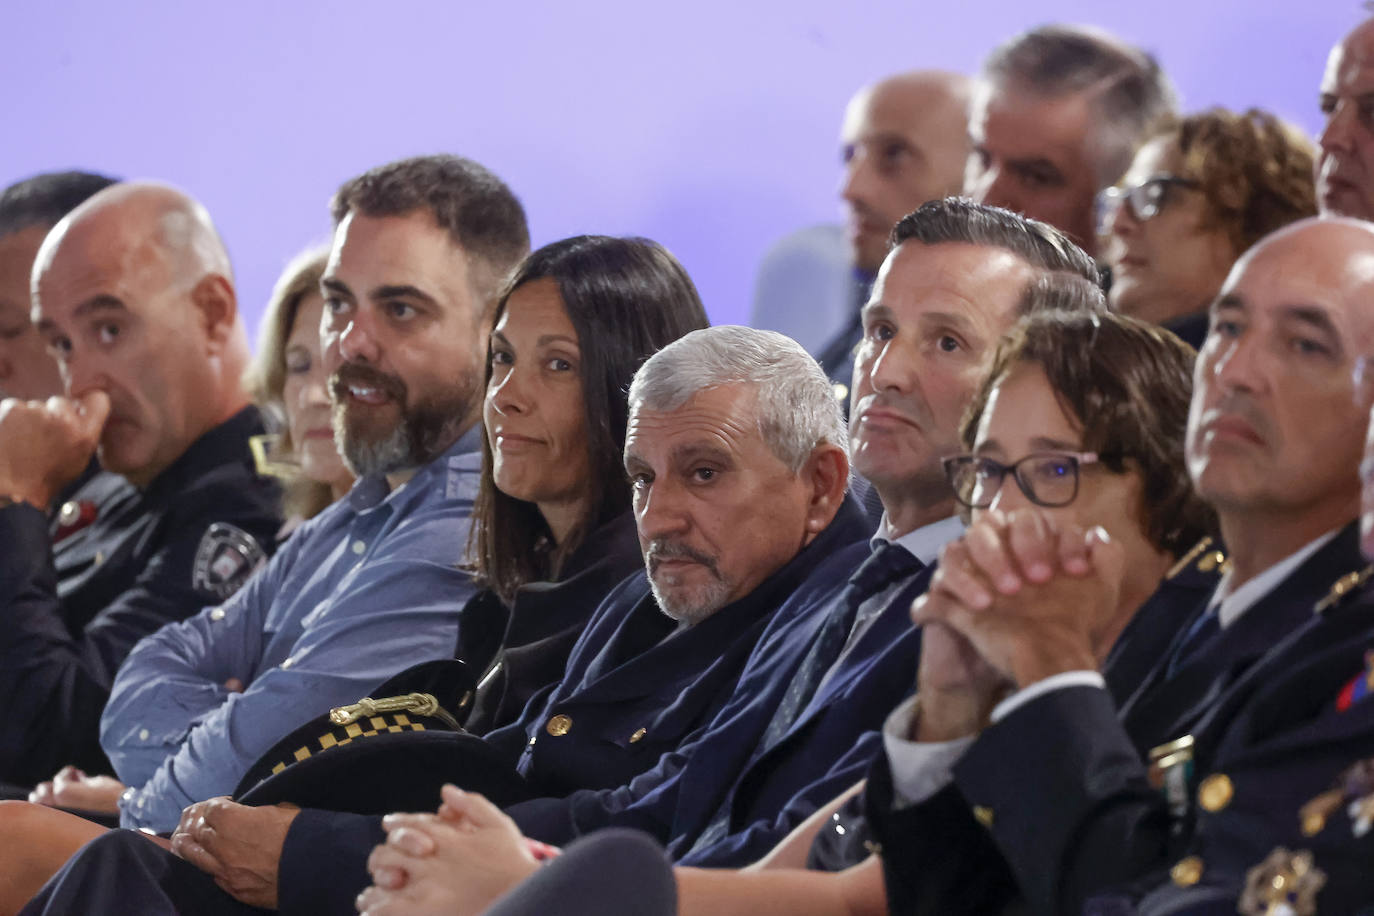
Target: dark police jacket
x: 635, y: 686
x: 1058, y: 793
x: 74, y: 607
x: 546, y: 619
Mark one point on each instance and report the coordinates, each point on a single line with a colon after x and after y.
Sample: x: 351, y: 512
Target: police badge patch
x: 226, y: 557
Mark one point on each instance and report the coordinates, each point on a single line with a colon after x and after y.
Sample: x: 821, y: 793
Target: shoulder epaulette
x: 1205, y: 556
x: 1347, y: 585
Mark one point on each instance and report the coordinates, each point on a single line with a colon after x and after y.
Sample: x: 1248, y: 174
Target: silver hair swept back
x: 795, y: 408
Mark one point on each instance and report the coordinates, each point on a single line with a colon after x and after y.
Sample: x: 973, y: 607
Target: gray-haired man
x: 1058, y: 116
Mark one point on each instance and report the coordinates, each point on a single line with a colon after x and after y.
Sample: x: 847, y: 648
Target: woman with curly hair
x: 1196, y: 196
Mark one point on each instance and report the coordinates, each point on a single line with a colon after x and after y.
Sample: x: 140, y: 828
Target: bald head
x: 1276, y: 422
x: 134, y: 293
x: 904, y: 142
x: 1345, y: 166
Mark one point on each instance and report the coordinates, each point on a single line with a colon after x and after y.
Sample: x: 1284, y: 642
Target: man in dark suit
x: 1101, y: 798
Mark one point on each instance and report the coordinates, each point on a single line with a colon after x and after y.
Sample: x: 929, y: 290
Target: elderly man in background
x: 1057, y: 116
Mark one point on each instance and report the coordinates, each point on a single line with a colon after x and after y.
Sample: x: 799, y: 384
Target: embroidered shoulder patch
x: 226, y: 557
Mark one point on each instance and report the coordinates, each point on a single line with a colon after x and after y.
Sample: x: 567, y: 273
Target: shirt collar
x: 925, y: 542
x: 1229, y: 605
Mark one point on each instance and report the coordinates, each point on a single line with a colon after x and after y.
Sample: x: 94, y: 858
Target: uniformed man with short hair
x: 133, y: 295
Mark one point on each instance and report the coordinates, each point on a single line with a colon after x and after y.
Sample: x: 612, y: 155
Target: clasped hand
x: 1026, y: 596
x: 452, y: 863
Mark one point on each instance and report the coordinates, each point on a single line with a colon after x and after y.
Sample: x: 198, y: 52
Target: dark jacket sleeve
x: 54, y: 684
x: 937, y: 859
x: 324, y: 861
x: 1068, y: 798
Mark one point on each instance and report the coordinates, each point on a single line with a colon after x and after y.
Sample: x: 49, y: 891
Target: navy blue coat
x: 1076, y: 817
x: 826, y: 750
x: 629, y: 671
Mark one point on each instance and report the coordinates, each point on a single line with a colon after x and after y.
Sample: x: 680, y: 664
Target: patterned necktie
x: 884, y: 566
x: 1200, y: 634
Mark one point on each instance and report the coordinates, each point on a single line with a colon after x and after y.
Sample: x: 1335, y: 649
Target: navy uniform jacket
x: 634, y: 687
x: 74, y: 608
x: 765, y: 791
x: 1078, y: 817
x: 543, y: 623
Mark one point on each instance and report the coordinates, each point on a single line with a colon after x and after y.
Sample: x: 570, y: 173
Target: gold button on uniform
x: 1187, y: 872
x: 840, y: 390
x: 559, y: 726
x: 639, y: 733
x: 1215, y: 792
x: 983, y: 815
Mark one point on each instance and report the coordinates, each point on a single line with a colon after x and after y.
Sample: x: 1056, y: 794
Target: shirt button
x: 359, y: 546
x: 559, y: 726
x: 143, y: 734
x: 217, y: 614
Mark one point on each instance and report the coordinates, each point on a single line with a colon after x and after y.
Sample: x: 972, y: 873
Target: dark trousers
x: 122, y: 872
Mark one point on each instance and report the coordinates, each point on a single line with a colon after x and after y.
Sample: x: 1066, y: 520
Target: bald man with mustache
x: 134, y: 295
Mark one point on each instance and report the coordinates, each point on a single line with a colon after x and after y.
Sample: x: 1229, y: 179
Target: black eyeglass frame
x: 1145, y: 199
x: 955, y: 464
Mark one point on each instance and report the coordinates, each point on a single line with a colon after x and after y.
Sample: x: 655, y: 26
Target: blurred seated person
x: 1081, y: 415
x: 287, y: 380
x: 1197, y: 195
x: 553, y: 531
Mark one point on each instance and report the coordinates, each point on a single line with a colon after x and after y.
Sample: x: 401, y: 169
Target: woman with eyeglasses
x: 1197, y: 196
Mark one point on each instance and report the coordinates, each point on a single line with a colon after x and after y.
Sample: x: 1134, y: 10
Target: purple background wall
x: 709, y: 126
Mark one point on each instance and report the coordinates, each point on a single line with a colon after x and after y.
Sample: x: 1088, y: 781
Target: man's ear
x: 827, y: 473
x: 217, y: 308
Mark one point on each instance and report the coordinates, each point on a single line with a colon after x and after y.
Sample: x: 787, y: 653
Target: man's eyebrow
x: 875, y: 311
x: 335, y: 286
x: 958, y: 319
x: 400, y: 291
x: 1314, y: 317
x: 1035, y: 164
x: 101, y: 303
x: 699, y: 450
x: 1228, y: 301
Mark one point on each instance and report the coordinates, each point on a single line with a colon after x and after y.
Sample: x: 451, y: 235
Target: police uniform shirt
x: 111, y: 565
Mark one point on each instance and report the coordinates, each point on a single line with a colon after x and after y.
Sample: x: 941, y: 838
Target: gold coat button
x: 840, y: 390
x: 639, y: 733
x: 559, y: 726
x: 983, y: 815
x: 69, y: 514
x: 1215, y: 792
x: 1187, y: 872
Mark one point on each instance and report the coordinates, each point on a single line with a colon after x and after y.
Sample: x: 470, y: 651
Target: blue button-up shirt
x: 367, y: 588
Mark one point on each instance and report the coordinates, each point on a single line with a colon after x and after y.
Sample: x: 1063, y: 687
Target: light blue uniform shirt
x: 365, y: 589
